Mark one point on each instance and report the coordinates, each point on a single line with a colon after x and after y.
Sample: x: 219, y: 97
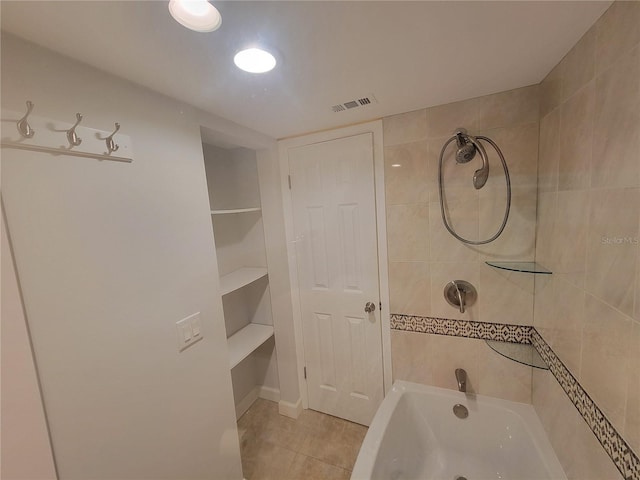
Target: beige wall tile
x: 444, y: 119
x: 434, y: 147
x: 510, y: 108
x: 617, y: 32
x: 576, y: 131
x: 605, y: 358
x: 517, y: 241
x: 585, y: 235
x: 571, y: 229
x: 546, y: 228
x: 443, y: 273
x: 461, y: 210
x: 611, y: 253
x: 404, y: 128
x: 577, y: 448
x: 549, y: 154
x: 551, y: 91
x: 433, y: 359
x: 410, y: 353
x: 505, y: 299
x: 410, y: 288
x: 616, y: 138
x: 568, y: 313
x: 543, y: 310
x: 588, y: 461
x: 446, y: 354
x: 503, y: 378
x: 557, y: 415
x: 408, y: 181
x: 519, y: 145
x: 408, y: 232
x: 632, y: 414
x: 579, y: 64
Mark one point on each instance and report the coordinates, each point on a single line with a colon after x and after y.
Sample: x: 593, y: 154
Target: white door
x: 334, y: 217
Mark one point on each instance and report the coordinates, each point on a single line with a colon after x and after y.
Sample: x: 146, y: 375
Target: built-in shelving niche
x: 236, y: 216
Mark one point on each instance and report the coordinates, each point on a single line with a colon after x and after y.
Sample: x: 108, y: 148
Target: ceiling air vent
x: 351, y: 104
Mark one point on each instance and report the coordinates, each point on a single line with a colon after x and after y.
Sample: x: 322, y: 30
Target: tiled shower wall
x: 424, y: 257
x: 588, y: 229
x: 588, y: 311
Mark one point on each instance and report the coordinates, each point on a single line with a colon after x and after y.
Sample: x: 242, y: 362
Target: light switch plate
x: 196, y: 326
x: 189, y: 331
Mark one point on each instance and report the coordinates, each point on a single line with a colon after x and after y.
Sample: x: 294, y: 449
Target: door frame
x: 375, y: 128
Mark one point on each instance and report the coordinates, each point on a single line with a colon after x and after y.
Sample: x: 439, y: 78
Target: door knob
x: 369, y: 307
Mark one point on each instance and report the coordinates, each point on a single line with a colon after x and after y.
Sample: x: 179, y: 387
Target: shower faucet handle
x: 460, y: 294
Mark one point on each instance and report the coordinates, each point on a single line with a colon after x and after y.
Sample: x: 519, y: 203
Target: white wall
x: 25, y: 448
x: 279, y: 284
x: 110, y: 256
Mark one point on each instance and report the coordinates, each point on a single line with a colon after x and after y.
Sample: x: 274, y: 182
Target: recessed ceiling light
x: 198, y: 15
x: 396, y: 165
x: 254, y: 60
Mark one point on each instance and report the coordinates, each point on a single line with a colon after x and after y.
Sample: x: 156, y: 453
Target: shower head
x: 468, y: 146
x: 481, y: 175
x: 465, y: 153
x: 466, y: 149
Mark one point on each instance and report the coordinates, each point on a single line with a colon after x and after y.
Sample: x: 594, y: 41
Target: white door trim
x: 375, y: 128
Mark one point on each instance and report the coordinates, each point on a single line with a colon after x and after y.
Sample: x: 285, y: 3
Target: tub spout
x: 461, y: 377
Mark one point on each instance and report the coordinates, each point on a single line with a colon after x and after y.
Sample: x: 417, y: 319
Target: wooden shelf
x: 235, y: 210
x: 245, y: 341
x: 239, y: 278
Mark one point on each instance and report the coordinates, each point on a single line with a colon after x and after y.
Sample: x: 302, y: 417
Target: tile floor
x: 314, y: 446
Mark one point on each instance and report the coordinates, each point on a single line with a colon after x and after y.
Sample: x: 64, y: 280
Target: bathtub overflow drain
x: 460, y: 411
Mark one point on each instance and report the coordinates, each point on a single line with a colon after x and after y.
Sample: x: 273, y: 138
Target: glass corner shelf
x: 519, y: 352
x: 525, y: 267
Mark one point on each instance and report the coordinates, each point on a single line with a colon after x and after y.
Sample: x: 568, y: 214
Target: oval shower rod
x: 73, y: 139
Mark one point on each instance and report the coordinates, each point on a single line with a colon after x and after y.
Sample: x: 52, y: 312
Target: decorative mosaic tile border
x: 462, y: 328
x: 621, y: 454
x: 625, y: 460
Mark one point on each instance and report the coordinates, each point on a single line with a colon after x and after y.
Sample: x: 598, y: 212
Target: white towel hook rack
x: 24, y: 128
x: 48, y: 137
x: 111, y: 145
x: 72, y: 136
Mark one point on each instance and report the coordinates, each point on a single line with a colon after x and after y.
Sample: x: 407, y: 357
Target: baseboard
x: 269, y: 393
x: 259, y: 391
x: 243, y: 405
x: 289, y: 409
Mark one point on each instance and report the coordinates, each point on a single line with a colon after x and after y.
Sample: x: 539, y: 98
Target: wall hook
x: 111, y: 145
x: 23, y: 125
x: 72, y: 136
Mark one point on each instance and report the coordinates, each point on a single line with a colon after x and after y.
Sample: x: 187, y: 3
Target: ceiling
x: 409, y: 55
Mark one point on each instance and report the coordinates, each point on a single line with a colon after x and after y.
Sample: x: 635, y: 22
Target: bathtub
x: 415, y: 435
